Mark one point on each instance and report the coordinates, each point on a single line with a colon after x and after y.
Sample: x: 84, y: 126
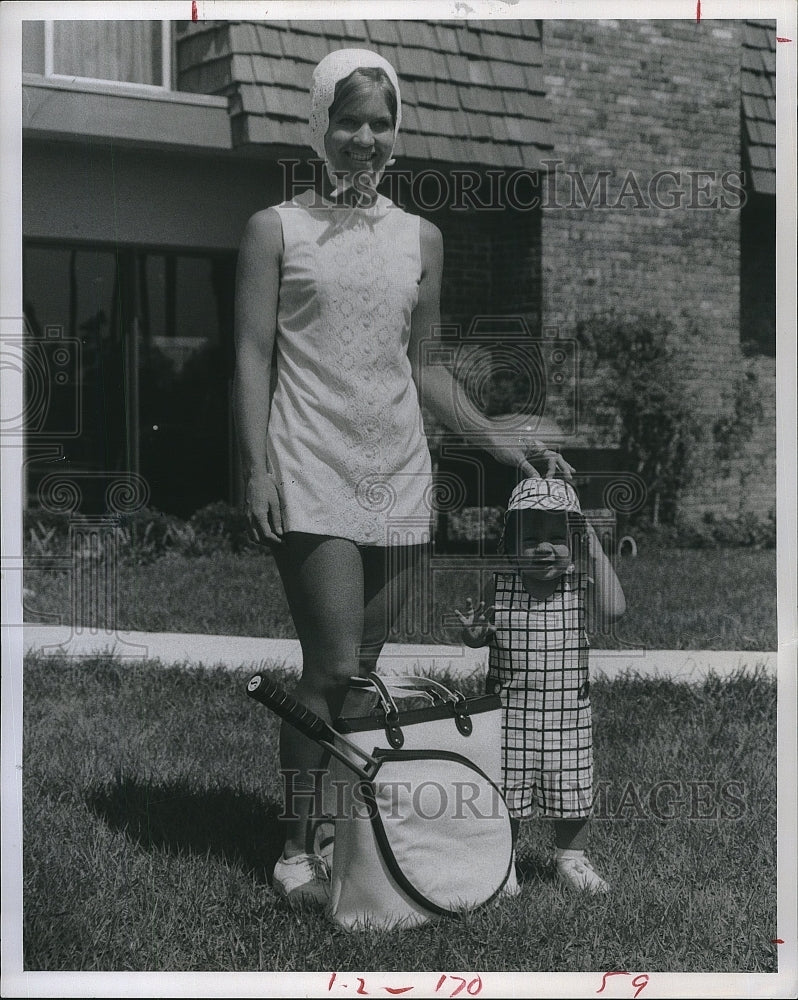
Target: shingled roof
x: 472, y: 92
x: 758, y: 85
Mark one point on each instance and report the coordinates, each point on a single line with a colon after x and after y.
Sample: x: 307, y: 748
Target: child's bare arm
x: 606, y: 601
x: 478, y: 628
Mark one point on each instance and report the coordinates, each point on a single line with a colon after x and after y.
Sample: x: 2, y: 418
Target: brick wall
x: 633, y: 98
x: 492, y: 274
x: 492, y: 265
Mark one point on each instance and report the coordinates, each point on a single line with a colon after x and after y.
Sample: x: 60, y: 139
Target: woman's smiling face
x: 361, y: 133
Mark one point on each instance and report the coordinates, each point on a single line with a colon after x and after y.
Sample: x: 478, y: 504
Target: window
x: 758, y: 275
x: 131, y: 52
x: 147, y: 341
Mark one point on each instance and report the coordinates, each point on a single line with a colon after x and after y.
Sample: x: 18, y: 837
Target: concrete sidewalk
x: 242, y: 652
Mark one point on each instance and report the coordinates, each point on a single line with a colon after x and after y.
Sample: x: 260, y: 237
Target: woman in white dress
x: 345, y: 289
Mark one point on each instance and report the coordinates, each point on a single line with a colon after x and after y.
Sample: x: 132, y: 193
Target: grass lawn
x: 151, y: 797
x: 677, y: 599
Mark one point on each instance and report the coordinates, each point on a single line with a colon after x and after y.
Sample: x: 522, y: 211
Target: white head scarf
x: 332, y: 68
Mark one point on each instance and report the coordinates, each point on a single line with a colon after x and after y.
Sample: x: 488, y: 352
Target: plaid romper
x: 539, y: 655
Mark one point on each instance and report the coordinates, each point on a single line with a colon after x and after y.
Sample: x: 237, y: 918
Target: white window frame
x: 166, y: 63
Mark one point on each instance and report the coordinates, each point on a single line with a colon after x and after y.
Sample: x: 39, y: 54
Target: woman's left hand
x: 526, y: 451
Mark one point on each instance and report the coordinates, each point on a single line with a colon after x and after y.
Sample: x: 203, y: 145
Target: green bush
x: 144, y: 536
x: 221, y: 527
x: 45, y: 532
x: 745, y: 530
x: 470, y: 524
x: 632, y: 370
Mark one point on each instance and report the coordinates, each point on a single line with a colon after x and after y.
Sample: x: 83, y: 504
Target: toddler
x: 535, y: 618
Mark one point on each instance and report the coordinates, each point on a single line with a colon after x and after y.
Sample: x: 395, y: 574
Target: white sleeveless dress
x: 346, y: 439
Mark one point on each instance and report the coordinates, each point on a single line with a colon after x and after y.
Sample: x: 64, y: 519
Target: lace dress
x: 346, y: 440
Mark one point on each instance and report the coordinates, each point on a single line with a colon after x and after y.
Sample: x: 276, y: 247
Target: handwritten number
x: 361, y: 988
x: 639, y: 982
x: 607, y: 976
x: 332, y: 980
x: 473, y: 988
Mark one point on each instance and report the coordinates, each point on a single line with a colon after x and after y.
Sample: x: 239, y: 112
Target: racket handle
x: 287, y: 707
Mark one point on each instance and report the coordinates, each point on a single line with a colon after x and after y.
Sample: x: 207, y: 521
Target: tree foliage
x: 635, y: 388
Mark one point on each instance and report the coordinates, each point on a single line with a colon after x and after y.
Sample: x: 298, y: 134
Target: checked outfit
x: 539, y: 655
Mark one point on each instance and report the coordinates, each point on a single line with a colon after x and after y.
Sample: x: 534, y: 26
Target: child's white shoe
x: 576, y: 872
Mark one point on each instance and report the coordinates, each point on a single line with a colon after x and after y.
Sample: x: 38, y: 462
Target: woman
x: 345, y: 288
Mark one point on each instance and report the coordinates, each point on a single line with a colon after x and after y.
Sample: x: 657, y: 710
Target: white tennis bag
x: 423, y: 830
x: 421, y: 826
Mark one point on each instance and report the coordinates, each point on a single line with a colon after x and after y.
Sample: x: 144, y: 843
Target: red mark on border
x: 608, y: 974
x: 777, y: 940
x: 783, y: 39
x: 397, y: 989
x: 193, y: 10
x: 639, y: 982
x: 698, y: 12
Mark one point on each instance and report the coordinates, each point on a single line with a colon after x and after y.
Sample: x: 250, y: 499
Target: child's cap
x: 544, y: 494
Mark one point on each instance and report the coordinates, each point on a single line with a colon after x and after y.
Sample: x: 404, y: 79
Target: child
x: 536, y: 627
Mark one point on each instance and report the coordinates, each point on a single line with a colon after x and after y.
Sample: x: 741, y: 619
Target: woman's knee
x: 331, y: 679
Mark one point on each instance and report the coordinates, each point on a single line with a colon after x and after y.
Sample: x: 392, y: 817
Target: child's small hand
x: 477, y: 630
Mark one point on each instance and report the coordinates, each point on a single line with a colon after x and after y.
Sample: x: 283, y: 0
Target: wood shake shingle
x: 472, y: 91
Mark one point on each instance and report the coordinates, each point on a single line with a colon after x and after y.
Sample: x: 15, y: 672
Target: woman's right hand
x: 477, y: 630
x: 262, y: 507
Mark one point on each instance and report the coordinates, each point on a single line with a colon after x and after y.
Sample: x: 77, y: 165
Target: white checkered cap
x: 334, y: 67
x: 544, y: 494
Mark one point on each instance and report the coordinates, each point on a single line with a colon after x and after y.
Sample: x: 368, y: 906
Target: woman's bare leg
x: 344, y: 600
x: 323, y: 581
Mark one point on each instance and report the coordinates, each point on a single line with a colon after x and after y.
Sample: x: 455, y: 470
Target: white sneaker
x: 302, y: 880
x: 578, y: 873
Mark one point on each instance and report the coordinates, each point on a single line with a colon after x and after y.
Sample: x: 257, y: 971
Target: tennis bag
x: 421, y: 827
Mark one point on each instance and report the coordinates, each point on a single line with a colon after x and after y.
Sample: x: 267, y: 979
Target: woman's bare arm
x: 438, y: 388
x: 256, y: 297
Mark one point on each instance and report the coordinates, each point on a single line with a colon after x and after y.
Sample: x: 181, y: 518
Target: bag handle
x: 455, y: 700
x: 427, y: 686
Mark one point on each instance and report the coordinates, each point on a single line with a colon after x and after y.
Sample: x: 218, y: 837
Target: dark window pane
x: 186, y: 311
x: 148, y: 392
x: 758, y: 275
x: 73, y: 296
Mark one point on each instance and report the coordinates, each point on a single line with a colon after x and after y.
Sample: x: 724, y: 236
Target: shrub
x: 44, y: 532
x: 634, y: 367
x: 143, y: 536
x: 221, y: 527
x: 470, y: 524
x: 745, y: 530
